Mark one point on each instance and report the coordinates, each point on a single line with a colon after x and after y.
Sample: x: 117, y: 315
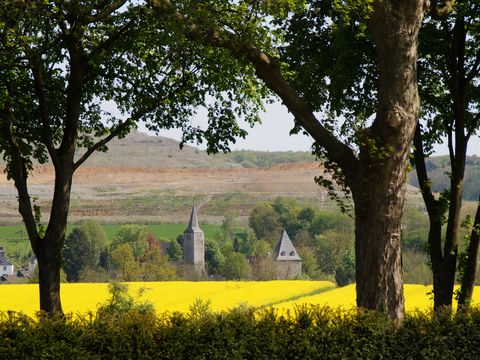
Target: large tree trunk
x: 49, y: 263
x: 378, y: 214
x: 49, y: 248
x: 379, y: 187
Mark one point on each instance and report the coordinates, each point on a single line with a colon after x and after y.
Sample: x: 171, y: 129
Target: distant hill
x: 438, y: 168
x: 144, y: 151
x: 140, y: 150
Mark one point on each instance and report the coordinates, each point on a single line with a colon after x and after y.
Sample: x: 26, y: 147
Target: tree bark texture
x: 49, y: 263
x: 379, y: 187
x: 49, y: 248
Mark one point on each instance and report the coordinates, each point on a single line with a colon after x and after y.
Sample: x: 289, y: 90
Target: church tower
x: 194, y: 244
x: 289, y: 263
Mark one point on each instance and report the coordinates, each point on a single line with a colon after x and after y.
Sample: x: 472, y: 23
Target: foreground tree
x: 449, y: 86
x: 62, y: 61
x: 371, y: 158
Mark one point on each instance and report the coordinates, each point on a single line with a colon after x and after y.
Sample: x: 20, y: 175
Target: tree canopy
x: 65, y: 65
x: 84, y: 247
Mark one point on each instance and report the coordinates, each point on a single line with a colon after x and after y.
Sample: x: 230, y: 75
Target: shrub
x: 311, y: 332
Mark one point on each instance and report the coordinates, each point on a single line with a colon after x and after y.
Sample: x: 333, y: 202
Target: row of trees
x: 347, y: 71
x: 87, y: 256
x: 323, y: 238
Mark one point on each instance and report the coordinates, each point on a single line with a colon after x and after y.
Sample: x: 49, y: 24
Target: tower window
x: 282, y: 253
x: 292, y: 253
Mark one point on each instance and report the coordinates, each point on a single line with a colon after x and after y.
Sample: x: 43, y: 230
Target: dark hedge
x: 310, y: 333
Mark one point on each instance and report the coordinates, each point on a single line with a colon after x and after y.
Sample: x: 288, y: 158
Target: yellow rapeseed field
x: 172, y: 296
x: 417, y: 297
x: 167, y: 296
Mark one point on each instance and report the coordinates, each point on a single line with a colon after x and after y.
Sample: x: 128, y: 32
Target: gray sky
x: 273, y: 134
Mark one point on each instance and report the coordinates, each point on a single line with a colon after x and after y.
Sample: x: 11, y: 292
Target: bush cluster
x: 311, y: 333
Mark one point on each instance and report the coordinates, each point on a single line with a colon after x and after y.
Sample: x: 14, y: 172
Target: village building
x: 288, y: 263
x: 6, y: 266
x: 194, y: 244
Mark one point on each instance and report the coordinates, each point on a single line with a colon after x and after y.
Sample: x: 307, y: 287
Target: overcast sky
x: 273, y: 134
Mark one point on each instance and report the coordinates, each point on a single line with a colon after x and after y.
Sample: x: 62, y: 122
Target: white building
x: 6, y: 267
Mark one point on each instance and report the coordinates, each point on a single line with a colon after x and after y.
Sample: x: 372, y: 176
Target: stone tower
x: 194, y: 244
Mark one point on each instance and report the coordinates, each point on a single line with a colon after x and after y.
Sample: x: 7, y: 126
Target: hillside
x: 140, y: 150
x: 438, y: 168
x: 150, y: 180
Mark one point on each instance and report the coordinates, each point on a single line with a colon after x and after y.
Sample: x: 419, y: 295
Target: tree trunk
x: 471, y: 266
x: 435, y: 213
x: 379, y: 187
x: 49, y: 248
x: 378, y: 247
x: 444, y: 261
x: 49, y: 263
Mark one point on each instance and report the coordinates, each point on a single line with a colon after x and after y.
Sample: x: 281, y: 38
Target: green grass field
x: 13, y: 237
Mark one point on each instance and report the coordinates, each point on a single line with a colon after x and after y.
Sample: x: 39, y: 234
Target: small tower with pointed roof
x: 194, y: 244
x: 287, y: 260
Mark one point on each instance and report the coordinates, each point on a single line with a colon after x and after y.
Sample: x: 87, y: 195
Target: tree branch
x: 18, y: 171
x: 442, y: 11
x: 268, y: 70
x: 474, y: 127
x: 103, y: 47
x: 422, y: 174
x: 115, y: 132
x: 129, y: 122
x: 475, y: 70
x: 451, y: 151
x: 104, y: 12
x: 39, y: 85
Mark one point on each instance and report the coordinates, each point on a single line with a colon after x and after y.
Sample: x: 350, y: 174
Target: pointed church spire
x: 193, y: 224
x: 193, y: 218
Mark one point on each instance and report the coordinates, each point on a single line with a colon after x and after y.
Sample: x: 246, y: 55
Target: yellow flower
x: 79, y: 298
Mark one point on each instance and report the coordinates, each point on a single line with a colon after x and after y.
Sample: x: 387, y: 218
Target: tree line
x: 323, y: 238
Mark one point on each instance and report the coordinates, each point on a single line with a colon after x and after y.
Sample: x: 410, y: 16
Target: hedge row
x: 311, y: 333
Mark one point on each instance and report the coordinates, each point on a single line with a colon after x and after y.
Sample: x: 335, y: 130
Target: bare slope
x: 149, y: 179
x: 143, y: 151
